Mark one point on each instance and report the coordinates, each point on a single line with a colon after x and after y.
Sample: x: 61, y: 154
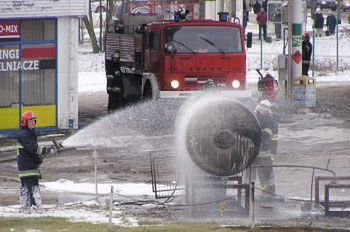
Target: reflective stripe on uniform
x: 29, y: 173
x: 269, y: 131
x: 39, y: 150
x: 19, y: 146
x: 274, y: 137
x: 266, y: 154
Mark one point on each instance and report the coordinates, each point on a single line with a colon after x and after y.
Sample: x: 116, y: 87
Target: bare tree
x: 109, y: 13
x: 88, y: 21
x: 201, y: 9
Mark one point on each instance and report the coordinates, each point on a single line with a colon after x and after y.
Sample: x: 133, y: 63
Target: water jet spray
x: 218, y: 138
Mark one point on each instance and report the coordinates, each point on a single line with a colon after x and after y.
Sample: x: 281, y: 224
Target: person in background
x: 114, y: 80
x: 331, y: 22
x: 256, y: 7
x: 245, y: 20
x: 318, y: 22
x: 29, y: 159
x: 261, y: 18
x: 277, y: 19
x: 264, y: 5
x: 306, y: 55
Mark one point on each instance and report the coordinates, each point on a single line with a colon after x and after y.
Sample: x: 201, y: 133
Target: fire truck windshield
x: 204, y: 39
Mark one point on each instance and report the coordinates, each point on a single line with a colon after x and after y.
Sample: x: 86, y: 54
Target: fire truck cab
x: 170, y: 59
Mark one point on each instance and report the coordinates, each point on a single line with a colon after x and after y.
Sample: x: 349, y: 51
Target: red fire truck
x: 150, y: 58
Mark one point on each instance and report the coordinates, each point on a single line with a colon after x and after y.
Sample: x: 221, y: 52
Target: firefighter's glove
x: 50, y: 149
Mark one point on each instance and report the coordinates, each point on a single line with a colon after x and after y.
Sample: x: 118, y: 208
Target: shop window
x: 38, y: 30
x: 38, y: 74
x: 9, y: 75
x: 28, y: 72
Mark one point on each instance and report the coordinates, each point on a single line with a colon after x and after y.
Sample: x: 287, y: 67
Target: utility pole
x: 202, y: 9
x: 100, y: 39
x: 219, y: 7
x: 295, y: 43
x: 337, y: 35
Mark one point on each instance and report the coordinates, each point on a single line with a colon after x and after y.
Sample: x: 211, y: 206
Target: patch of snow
x: 92, y: 82
x: 129, y: 189
x: 74, y: 213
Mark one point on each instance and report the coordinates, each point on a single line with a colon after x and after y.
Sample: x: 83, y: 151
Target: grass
x: 53, y: 224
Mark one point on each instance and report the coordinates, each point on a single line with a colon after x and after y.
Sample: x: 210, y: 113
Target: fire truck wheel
x: 102, y: 8
x: 147, y: 92
x: 115, y: 101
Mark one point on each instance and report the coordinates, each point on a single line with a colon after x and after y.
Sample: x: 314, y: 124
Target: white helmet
x: 264, y: 108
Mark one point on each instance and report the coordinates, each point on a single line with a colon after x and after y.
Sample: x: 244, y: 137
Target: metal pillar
x: 239, y: 10
x: 296, y: 29
x: 220, y: 7
x: 294, y: 44
x: 337, y: 32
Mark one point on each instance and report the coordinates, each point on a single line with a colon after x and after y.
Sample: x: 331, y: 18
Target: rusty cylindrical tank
x: 222, y: 136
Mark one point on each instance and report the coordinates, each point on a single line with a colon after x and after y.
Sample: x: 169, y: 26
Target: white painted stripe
x: 9, y: 36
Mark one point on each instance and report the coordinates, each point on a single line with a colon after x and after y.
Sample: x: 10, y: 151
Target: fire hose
x: 58, y: 148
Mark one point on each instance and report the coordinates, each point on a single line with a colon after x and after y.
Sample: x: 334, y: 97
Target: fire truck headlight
x: 175, y: 84
x: 236, y: 84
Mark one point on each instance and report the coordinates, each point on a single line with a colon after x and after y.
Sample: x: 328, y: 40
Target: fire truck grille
x: 191, y: 80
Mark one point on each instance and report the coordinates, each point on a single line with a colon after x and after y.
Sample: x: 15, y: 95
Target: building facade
x: 38, y: 62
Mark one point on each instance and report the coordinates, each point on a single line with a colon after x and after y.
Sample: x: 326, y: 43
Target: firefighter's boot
x: 37, y: 199
x: 24, y: 201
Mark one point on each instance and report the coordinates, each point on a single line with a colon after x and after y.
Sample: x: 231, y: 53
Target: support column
x: 295, y: 44
x: 296, y: 28
x: 219, y: 7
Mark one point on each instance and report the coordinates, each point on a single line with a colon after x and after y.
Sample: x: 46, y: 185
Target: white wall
x: 42, y: 8
x: 210, y: 10
x: 67, y: 71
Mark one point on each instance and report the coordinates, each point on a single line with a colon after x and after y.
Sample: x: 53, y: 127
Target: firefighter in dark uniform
x: 29, y: 158
x: 114, y: 82
x: 268, y: 147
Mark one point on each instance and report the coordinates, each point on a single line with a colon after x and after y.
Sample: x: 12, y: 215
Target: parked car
x: 323, y: 4
x: 309, y: 2
x: 331, y: 4
x: 345, y: 5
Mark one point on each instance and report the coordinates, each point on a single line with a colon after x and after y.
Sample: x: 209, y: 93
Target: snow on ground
x: 89, y: 210
x: 129, y: 189
x: 92, y: 79
x: 76, y: 213
x: 92, y: 82
x: 92, y: 211
x: 324, y: 48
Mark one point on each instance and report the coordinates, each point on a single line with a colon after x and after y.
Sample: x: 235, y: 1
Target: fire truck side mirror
x: 171, y: 48
x: 249, y: 39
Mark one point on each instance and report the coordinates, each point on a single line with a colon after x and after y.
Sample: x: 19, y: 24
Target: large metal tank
x: 222, y: 136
